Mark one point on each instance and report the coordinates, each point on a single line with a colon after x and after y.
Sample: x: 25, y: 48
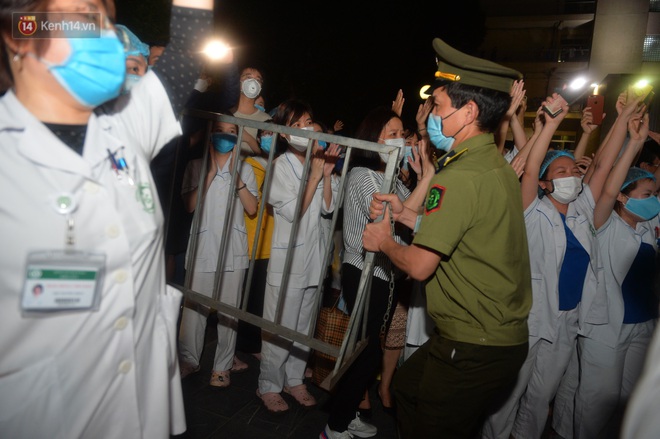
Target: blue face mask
x: 645, y: 208
x: 94, y: 71
x: 223, y: 142
x: 407, y: 152
x: 265, y: 143
x: 129, y: 82
x: 260, y: 108
x: 434, y: 128
x: 323, y: 144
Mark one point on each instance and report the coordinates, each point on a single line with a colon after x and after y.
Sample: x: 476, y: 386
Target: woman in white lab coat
x: 567, y: 276
x: 283, y: 363
x: 94, y: 356
x: 612, y: 356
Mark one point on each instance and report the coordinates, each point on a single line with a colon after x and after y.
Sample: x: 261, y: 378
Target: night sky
x: 343, y: 58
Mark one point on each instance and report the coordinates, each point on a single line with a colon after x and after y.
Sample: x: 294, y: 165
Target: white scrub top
x: 547, y: 245
x: 106, y: 374
x: 308, y: 248
x: 619, y: 244
x: 214, y: 211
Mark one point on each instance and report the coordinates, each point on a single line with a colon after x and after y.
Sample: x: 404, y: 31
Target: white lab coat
x: 609, y: 370
x: 619, y: 245
x: 111, y: 373
x: 211, y: 225
x: 547, y: 245
x: 308, y: 249
x: 552, y: 333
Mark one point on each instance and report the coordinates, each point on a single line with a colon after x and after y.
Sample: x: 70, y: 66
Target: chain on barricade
x: 386, y: 316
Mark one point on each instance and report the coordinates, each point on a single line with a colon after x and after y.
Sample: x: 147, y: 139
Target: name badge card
x: 62, y: 281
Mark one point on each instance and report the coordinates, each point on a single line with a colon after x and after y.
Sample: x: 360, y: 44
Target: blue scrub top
x: 639, y: 300
x: 573, y: 271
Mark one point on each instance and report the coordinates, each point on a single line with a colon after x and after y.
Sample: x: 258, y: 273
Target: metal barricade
x: 350, y: 347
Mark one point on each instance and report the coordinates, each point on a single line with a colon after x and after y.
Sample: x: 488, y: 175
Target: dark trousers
x: 248, y: 336
x: 357, y: 379
x: 446, y: 387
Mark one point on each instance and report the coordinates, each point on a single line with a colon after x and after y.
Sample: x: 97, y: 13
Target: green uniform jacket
x: 481, y: 292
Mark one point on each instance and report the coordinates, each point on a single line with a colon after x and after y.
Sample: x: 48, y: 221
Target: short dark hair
x: 492, y: 104
x: 288, y: 111
x: 650, y: 151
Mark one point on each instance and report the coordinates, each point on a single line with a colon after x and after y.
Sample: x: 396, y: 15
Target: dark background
x: 343, y: 57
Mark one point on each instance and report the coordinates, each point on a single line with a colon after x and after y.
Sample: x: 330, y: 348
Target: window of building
x: 651, y: 48
x: 655, y: 6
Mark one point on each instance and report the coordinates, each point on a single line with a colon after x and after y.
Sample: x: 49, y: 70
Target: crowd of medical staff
x: 85, y: 201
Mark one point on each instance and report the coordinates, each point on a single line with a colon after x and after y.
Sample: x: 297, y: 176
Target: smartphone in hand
x: 554, y: 109
x: 596, y: 103
x: 648, y: 99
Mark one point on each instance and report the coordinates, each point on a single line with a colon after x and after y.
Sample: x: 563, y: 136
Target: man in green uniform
x: 471, y: 247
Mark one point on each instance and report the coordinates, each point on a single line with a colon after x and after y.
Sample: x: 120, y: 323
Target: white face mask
x: 566, y: 189
x: 401, y: 142
x: 251, y: 88
x: 300, y: 143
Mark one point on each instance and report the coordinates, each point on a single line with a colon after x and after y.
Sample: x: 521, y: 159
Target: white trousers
x: 563, y: 408
x: 283, y: 363
x: 607, y: 378
x: 525, y: 410
x: 193, y: 321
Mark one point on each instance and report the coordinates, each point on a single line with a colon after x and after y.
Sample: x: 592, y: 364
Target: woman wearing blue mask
x: 381, y: 125
x: 96, y: 357
x: 215, y: 206
x: 612, y: 357
x: 567, y: 276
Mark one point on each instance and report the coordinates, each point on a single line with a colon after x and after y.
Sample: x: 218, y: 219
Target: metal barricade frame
x: 350, y: 348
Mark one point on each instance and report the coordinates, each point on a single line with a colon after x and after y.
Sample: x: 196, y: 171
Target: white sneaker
x: 360, y: 428
x: 327, y: 433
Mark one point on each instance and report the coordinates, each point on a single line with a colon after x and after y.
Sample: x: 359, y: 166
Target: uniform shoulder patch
x: 434, y: 198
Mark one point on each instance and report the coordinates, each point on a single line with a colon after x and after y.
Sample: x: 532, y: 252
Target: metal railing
x: 350, y: 347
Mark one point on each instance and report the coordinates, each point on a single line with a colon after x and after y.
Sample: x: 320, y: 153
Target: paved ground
x: 236, y: 412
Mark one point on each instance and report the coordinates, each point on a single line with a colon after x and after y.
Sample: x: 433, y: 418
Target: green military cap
x: 456, y: 66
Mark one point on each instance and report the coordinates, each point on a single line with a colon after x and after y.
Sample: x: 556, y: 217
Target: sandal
x: 220, y: 379
x: 186, y: 369
x: 274, y: 402
x: 301, y: 394
x: 238, y: 365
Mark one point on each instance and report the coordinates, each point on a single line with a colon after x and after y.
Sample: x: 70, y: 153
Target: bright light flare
x: 216, y: 50
x: 577, y: 83
x: 422, y: 92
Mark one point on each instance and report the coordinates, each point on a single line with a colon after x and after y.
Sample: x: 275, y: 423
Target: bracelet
x: 421, y: 129
x: 237, y: 190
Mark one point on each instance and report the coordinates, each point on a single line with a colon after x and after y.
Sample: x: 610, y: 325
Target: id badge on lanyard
x: 66, y: 280
x: 57, y: 280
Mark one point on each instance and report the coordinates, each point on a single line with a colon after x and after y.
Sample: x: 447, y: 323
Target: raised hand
x: 423, y: 113
x: 517, y: 94
x: 397, y: 103
x: 331, y: 156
